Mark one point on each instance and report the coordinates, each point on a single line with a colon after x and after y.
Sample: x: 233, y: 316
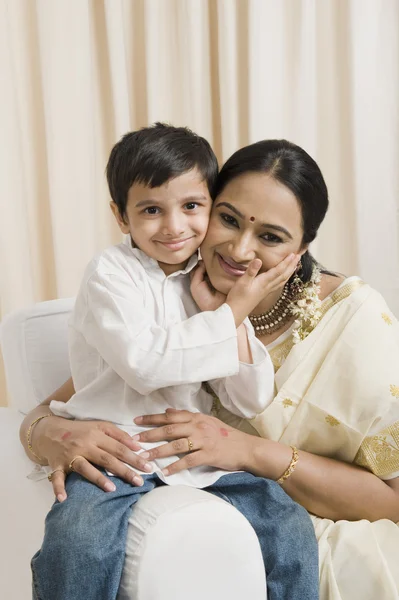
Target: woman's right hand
x: 60, y: 440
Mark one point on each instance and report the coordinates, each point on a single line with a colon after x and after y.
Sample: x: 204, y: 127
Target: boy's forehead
x: 188, y: 185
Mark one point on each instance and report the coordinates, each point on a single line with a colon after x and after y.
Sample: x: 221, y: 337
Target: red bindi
x: 252, y: 219
x: 224, y: 432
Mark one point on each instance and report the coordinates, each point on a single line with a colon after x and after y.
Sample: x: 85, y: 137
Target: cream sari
x: 337, y: 395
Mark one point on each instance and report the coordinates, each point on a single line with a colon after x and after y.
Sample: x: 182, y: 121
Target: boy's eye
x: 191, y: 205
x: 229, y: 219
x: 272, y: 238
x: 151, y: 210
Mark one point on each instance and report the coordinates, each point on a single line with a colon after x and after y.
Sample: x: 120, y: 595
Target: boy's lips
x: 175, y: 244
x: 230, y: 266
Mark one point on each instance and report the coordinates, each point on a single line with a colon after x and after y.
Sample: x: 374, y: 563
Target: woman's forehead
x: 259, y: 196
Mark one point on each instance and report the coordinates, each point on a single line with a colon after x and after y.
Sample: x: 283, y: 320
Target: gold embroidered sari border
x: 380, y: 453
x: 344, y: 292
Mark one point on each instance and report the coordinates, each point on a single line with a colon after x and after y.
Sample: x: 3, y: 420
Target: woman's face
x: 255, y: 216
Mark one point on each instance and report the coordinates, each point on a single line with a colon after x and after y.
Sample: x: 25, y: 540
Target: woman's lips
x: 176, y: 244
x: 230, y: 267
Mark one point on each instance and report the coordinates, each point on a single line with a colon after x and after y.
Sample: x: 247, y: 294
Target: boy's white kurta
x: 138, y: 345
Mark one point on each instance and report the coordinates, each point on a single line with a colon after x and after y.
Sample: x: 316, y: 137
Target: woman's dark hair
x: 154, y: 155
x: 293, y: 167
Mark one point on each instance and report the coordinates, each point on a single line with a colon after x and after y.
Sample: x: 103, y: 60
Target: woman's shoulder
x: 329, y: 283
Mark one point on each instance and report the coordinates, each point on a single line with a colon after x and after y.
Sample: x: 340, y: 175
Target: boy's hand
x: 205, y: 296
x: 251, y: 288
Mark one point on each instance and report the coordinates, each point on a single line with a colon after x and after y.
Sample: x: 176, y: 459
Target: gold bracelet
x: 29, y: 434
x: 291, y: 466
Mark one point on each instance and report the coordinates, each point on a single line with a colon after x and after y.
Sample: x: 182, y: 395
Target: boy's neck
x: 169, y: 269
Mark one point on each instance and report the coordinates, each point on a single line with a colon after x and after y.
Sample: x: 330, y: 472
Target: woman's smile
x: 230, y: 267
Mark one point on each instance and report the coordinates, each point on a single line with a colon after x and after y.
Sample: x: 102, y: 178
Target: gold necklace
x: 277, y: 316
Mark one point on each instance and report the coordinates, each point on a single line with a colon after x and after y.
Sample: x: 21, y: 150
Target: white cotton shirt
x: 139, y: 345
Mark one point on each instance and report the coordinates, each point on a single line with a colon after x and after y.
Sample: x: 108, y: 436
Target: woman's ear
x: 304, y: 249
x: 123, y: 226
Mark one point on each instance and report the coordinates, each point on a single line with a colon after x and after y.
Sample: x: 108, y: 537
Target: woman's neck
x: 268, y: 302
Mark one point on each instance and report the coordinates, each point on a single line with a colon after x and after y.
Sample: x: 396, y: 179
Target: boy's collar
x: 151, y: 263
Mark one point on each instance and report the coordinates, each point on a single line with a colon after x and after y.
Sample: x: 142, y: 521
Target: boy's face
x: 168, y: 222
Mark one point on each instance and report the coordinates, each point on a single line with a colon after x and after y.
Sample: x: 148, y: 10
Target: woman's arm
x: 57, y: 441
x: 325, y: 487
x: 63, y: 394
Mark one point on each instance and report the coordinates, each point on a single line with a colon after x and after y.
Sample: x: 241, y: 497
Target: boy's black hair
x: 154, y: 155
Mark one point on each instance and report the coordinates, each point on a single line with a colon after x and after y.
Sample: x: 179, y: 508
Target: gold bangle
x: 291, y: 466
x: 29, y: 434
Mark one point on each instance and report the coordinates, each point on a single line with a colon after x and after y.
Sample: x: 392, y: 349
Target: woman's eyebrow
x: 231, y: 207
x: 277, y: 228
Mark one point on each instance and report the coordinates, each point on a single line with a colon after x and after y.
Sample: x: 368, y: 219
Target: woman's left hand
x: 213, y: 443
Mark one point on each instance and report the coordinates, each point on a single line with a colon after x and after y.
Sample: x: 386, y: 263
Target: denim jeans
x: 83, y: 550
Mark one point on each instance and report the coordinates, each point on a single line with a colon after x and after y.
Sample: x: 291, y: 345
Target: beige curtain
x: 77, y: 74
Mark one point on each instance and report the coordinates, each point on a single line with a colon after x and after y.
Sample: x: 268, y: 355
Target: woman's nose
x: 241, y: 249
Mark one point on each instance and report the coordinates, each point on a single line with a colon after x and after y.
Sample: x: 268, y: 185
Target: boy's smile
x: 168, y: 222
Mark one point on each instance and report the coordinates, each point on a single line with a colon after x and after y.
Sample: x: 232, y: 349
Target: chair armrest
x: 23, y: 506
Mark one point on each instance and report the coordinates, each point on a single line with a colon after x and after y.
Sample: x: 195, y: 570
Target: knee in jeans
x: 73, y: 529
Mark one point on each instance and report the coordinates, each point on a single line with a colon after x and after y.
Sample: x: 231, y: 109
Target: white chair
x: 182, y: 543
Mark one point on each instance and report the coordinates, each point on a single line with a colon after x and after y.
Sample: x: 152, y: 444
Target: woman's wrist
x: 266, y: 458
x: 42, y: 433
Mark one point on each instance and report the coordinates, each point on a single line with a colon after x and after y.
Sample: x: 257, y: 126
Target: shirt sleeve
x: 144, y: 354
x: 248, y: 392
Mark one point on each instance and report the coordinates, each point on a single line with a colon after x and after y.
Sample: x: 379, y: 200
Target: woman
x: 335, y: 347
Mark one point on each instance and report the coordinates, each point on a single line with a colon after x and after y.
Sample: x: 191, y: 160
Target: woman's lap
x: 358, y: 559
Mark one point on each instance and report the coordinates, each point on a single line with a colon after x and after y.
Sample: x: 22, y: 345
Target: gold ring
x: 190, y: 445
x: 70, y: 466
x: 50, y: 475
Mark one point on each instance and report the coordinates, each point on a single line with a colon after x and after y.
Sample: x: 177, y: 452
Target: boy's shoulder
x: 112, y: 261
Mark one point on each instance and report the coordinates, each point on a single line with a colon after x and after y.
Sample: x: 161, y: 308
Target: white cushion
x: 35, y: 351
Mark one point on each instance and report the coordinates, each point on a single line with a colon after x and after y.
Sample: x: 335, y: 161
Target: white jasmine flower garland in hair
x: 307, y: 308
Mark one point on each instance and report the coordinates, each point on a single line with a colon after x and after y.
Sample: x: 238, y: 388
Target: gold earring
x: 297, y: 283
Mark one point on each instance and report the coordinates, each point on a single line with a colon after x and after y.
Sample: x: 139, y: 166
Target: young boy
x: 139, y: 345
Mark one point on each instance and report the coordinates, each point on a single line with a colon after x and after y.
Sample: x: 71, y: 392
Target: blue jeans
x: 83, y: 550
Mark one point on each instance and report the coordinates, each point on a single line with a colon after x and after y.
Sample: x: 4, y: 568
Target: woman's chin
x: 221, y: 284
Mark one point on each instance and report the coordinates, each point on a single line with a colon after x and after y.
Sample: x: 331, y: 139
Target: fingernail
x: 138, y: 420
x: 148, y: 467
x: 136, y: 437
x: 165, y: 472
x: 109, y: 487
x: 60, y: 497
x: 137, y: 480
x: 144, y: 455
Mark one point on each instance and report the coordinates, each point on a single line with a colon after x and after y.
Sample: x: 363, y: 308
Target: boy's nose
x: 173, y: 227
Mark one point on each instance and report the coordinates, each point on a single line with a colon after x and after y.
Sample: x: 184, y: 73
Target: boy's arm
x: 248, y: 392
x: 111, y: 315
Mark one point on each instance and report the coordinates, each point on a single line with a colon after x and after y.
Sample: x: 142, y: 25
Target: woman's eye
x: 151, y: 210
x: 191, y: 205
x: 229, y: 219
x: 272, y: 238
